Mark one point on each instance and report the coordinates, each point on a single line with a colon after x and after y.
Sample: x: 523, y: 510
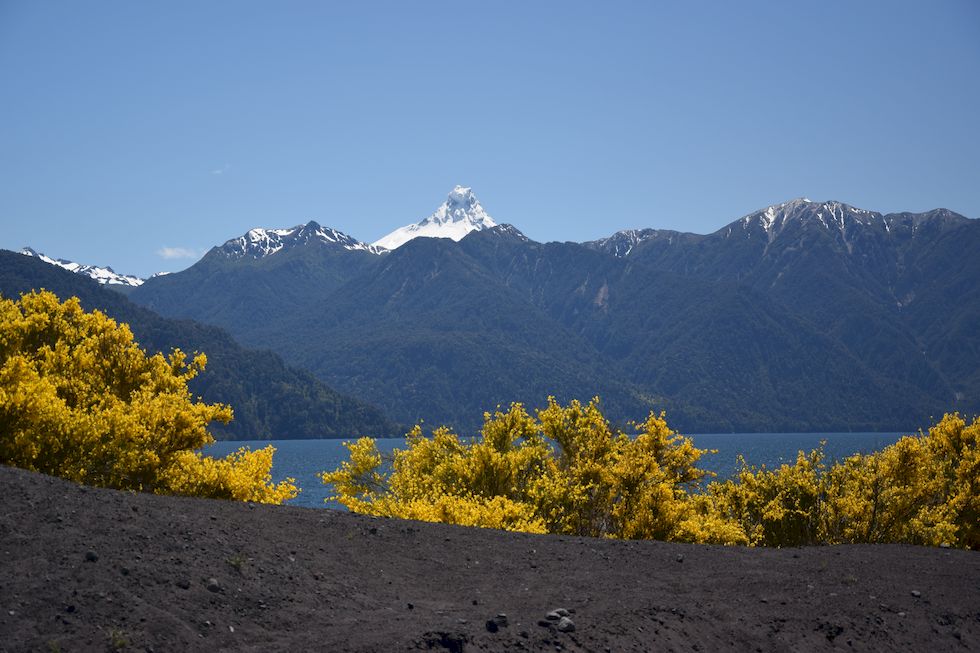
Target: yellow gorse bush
x: 566, y: 470
x: 243, y: 475
x: 79, y: 399
x: 924, y: 489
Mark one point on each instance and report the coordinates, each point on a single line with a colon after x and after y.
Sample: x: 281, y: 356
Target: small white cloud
x: 222, y: 170
x: 178, y: 252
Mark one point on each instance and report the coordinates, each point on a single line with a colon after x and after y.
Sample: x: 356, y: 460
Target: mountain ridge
x: 259, y: 242
x: 800, y: 316
x: 775, y: 322
x: 774, y: 218
x: 461, y: 213
x: 103, y: 275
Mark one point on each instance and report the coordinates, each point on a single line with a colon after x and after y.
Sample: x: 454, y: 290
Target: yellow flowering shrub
x: 79, y: 399
x: 567, y: 470
x: 779, y: 507
x: 242, y: 475
x: 924, y: 489
x: 477, y: 483
x: 921, y: 490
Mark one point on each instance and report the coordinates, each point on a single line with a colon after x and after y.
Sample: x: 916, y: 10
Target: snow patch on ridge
x: 259, y: 243
x: 622, y: 243
x: 830, y: 215
x: 104, y: 275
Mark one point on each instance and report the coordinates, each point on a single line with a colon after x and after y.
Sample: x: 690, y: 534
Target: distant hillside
x: 270, y: 399
x: 802, y: 316
x: 900, y: 291
x: 431, y: 334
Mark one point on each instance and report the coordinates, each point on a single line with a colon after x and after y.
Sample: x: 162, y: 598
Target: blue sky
x: 130, y: 127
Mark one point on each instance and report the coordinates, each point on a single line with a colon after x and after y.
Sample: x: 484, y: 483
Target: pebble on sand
x: 498, y: 622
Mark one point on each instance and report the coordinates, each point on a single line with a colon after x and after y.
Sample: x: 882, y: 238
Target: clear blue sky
x: 127, y: 127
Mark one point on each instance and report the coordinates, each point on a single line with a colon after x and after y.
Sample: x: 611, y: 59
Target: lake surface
x: 304, y: 459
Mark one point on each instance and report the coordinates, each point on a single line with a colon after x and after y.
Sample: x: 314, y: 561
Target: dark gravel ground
x: 96, y: 570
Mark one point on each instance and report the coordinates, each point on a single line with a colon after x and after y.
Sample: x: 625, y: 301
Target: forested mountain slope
x: 269, y: 398
x: 803, y: 316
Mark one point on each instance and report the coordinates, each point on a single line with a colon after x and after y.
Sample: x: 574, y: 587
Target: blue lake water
x: 304, y: 459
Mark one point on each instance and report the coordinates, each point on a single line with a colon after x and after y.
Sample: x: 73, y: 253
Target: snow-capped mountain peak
x: 832, y: 215
x: 104, y: 275
x: 460, y: 214
x: 846, y: 225
x: 622, y: 243
x: 259, y: 243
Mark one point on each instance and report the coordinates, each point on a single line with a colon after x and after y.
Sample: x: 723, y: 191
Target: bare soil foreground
x: 96, y: 570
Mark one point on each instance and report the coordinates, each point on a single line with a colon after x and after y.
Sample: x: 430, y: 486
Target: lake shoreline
x: 304, y: 460
x: 89, y: 569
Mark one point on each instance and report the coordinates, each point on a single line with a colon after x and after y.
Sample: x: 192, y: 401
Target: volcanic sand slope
x: 86, y: 569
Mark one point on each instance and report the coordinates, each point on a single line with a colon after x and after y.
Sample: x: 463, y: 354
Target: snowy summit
x: 259, y: 243
x: 460, y: 214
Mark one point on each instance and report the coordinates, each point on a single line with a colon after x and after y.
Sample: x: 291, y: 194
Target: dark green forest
x: 270, y: 399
